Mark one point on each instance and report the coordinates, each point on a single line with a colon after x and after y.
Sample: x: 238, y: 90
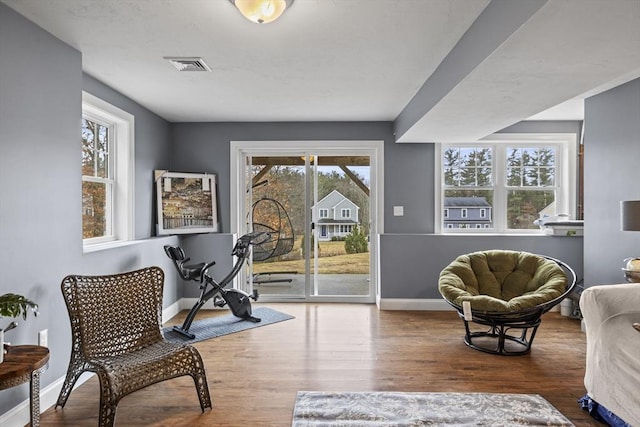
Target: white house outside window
x: 107, y: 172
x: 505, y: 186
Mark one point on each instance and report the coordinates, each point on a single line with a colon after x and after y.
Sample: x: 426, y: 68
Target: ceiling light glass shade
x: 262, y: 11
x: 630, y: 215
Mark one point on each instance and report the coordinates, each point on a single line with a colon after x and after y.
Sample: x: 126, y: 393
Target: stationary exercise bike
x: 238, y: 301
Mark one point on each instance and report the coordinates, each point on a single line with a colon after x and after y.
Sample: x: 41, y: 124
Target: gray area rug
x: 217, y: 326
x: 369, y: 409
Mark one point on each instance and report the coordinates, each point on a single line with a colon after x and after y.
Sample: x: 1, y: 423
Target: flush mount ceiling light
x: 262, y: 11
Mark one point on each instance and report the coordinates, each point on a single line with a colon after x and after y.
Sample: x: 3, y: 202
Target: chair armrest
x: 598, y: 303
x: 612, y: 372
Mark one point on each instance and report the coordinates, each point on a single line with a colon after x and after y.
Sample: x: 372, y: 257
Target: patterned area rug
x: 369, y: 409
x: 217, y: 326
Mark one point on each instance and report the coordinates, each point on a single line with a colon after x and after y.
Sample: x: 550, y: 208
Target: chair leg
x: 200, y: 380
x: 202, y: 389
x: 73, y: 373
x: 498, y: 333
x: 108, y: 402
x: 67, y: 387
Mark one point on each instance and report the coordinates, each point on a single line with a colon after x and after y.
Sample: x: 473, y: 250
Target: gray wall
x: 411, y: 257
x: 207, y: 248
x: 204, y: 147
x: 41, y: 85
x: 612, y: 174
x: 410, y: 264
x: 408, y: 176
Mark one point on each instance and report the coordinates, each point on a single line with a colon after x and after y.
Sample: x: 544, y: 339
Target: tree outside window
x: 97, y: 180
x: 521, y: 178
x: 107, y: 158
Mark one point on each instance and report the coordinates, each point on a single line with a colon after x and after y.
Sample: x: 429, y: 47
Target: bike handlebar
x: 253, y: 238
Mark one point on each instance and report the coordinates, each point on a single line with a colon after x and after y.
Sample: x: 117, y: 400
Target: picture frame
x: 187, y: 203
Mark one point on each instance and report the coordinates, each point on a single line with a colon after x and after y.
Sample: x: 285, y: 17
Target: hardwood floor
x: 254, y: 375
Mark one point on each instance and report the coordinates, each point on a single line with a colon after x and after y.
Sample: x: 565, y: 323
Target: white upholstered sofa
x: 612, y: 376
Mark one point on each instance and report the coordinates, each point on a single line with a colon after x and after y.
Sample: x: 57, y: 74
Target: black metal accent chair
x: 116, y: 331
x: 505, y: 291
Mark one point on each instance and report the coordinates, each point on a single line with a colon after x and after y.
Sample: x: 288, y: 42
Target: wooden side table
x: 21, y: 364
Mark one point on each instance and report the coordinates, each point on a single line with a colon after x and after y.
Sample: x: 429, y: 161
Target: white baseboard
x: 172, y: 310
x: 414, y: 304
x: 185, y: 304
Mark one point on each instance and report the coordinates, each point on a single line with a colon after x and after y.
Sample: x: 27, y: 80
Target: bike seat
x: 193, y: 272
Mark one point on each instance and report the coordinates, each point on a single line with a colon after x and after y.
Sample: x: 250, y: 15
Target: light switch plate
x: 43, y: 338
x: 398, y: 211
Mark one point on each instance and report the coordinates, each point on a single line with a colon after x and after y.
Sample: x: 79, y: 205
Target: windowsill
x: 97, y: 247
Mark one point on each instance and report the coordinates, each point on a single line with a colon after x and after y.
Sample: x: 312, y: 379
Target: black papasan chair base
x: 498, y: 339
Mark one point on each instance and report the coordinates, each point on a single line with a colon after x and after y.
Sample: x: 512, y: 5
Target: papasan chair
x: 504, y: 291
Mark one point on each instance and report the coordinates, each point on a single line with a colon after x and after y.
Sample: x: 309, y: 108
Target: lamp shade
x: 262, y: 11
x: 630, y: 215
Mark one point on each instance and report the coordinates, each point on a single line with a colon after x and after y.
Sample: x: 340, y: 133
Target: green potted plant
x: 13, y: 305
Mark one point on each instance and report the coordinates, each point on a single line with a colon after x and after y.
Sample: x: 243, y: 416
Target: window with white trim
x: 504, y: 186
x: 107, y: 172
x: 323, y: 213
x: 345, y: 213
x: 346, y: 228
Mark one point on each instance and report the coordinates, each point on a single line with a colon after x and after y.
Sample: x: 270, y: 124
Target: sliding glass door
x: 340, y: 254
x: 318, y: 210
x: 278, y: 207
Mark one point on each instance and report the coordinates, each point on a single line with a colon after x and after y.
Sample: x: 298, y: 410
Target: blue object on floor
x: 216, y: 326
x: 601, y: 413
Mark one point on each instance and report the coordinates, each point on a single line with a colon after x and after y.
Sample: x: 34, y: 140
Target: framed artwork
x: 187, y: 202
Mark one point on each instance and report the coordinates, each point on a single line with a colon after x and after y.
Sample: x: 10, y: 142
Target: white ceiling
x: 357, y: 60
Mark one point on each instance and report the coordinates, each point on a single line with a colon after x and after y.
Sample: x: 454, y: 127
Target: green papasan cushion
x: 502, y: 281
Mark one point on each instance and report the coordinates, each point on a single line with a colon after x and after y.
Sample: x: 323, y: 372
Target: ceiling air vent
x: 188, y: 64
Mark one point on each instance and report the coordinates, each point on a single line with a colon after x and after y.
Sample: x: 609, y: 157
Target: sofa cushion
x: 500, y: 280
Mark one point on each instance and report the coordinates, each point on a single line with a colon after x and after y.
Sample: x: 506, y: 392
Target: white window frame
x: 121, y: 152
x: 565, y: 185
x: 345, y: 213
x: 346, y: 228
x: 323, y: 213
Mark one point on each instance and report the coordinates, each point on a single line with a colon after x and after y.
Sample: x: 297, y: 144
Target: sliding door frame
x: 372, y: 148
